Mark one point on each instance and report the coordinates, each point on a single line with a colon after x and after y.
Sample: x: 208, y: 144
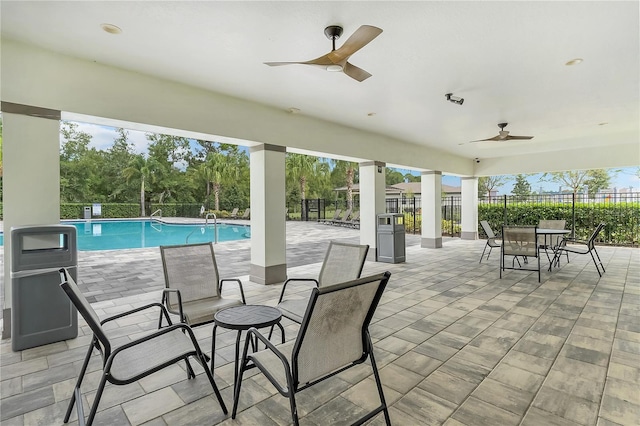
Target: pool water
x: 126, y: 234
x: 110, y: 235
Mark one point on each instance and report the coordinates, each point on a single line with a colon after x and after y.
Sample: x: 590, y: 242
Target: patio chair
x: 350, y: 223
x: 342, y: 262
x: 333, y: 337
x: 491, y: 239
x: 234, y: 213
x: 519, y: 241
x: 336, y: 215
x: 552, y: 242
x: 193, y: 287
x: 134, y: 359
x: 246, y: 214
x: 584, y: 247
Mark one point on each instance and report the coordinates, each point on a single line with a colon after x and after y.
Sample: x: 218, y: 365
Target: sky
x: 103, y: 137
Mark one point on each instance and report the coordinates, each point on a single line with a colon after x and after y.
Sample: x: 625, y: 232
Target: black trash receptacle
x: 391, y: 238
x: 41, y: 312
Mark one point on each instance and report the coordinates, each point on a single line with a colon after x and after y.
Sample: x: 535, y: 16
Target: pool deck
x: 455, y: 344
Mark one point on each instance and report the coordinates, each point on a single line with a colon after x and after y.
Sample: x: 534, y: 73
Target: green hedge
x: 622, y: 219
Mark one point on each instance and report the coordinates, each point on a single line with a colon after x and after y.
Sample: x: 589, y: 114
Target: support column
x: 372, y: 202
x: 31, y: 178
x: 431, y: 186
x: 268, y: 227
x: 469, y: 208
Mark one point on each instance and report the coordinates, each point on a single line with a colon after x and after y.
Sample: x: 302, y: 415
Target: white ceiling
x: 506, y: 59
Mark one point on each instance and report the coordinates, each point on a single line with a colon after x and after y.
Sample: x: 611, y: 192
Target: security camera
x: 454, y: 99
x: 477, y: 160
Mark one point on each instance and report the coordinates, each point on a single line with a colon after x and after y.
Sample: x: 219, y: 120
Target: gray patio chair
x: 519, y: 241
x: 584, y: 247
x: 342, y: 262
x: 552, y: 242
x: 246, y: 214
x: 333, y: 337
x: 134, y: 359
x: 350, y: 223
x: 234, y: 213
x: 492, y: 241
x: 193, y: 287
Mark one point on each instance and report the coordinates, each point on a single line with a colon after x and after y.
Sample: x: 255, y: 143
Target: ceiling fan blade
x: 355, y: 72
x: 518, y: 137
x: 322, y: 61
x: 363, y: 36
x: 495, y: 138
x: 277, y: 64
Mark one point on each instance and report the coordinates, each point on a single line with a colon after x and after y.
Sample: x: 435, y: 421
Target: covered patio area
x: 455, y: 345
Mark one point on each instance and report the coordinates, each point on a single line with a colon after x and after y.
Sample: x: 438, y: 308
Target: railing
x: 215, y: 226
x: 154, y: 213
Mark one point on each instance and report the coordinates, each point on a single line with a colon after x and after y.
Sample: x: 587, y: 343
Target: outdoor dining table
x: 549, y: 232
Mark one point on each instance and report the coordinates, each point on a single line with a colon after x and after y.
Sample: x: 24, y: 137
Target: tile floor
x: 455, y: 345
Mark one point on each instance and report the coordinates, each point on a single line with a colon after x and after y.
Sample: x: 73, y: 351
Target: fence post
x: 451, y: 214
x: 573, y: 215
x: 504, y: 219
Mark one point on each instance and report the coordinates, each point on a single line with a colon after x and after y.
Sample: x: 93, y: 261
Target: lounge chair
x: 334, y: 336
x: 133, y: 359
x: 355, y: 218
x: 342, y: 262
x: 246, y: 214
x: 336, y: 215
x: 234, y: 213
x: 344, y: 218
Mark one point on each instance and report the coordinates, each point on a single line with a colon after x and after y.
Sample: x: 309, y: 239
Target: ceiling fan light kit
x: 337, y: 59
x: 454, y: 99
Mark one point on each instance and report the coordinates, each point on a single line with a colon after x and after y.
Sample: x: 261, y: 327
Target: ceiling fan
x: 336, y: 60
x: 503, y: 135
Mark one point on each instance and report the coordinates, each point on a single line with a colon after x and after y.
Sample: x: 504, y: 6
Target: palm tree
x: 139, y: 168
x: 299, y: 168
x: 348, y: 168
x: 220, y: 171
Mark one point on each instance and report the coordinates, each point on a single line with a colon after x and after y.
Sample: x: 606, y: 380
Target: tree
x: 348, y: 170
x: 220, y: 173
x: 299, y: 168
x: 576, y: 180
x: 140, y: 169
x: 78, y: 165
x: 521, y: 188
x: 487, y: 184
x: 393, y: 176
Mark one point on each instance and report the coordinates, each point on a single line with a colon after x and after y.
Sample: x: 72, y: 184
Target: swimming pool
x: 126, y: 234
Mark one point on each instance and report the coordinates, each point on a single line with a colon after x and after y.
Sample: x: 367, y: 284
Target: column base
x: 468, y: 235
x: 431, y: 242
x: 268, y: 274
x: 6, y: 323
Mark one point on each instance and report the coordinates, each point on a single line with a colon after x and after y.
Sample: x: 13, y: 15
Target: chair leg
x: 94, y: 407
x: 190, y: 372
x: 238, y: 380
x: 485, y: 249
x: 83, y: 370
x: 596, y: 262
x: 209, y: 374
x: 213, y: 345
x: 385, y: 410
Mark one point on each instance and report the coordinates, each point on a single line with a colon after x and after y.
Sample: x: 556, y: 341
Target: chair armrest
x: 141, y: 308
x: 165, y: 292
x: 284, y: 286
x: 253, y: 332
x: 239, y: 285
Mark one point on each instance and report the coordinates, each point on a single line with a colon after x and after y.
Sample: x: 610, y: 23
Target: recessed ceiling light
x: 334, y: 68
x: 575, y: 61
x: 293, y: 110
x: 111, y: 29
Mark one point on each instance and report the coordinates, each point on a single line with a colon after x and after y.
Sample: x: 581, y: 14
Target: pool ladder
x: 206, y: 223
x: 154, y: 213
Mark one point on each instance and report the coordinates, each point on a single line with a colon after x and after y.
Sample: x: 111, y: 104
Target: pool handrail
x: 206, y: 223
x: 152, y: 214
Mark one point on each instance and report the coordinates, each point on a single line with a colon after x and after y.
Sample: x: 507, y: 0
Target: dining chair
x: 584, y: 247
x: 134, y: 359
x: 333, y: 337
x: 492, y: 241
x: 519, y: 241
